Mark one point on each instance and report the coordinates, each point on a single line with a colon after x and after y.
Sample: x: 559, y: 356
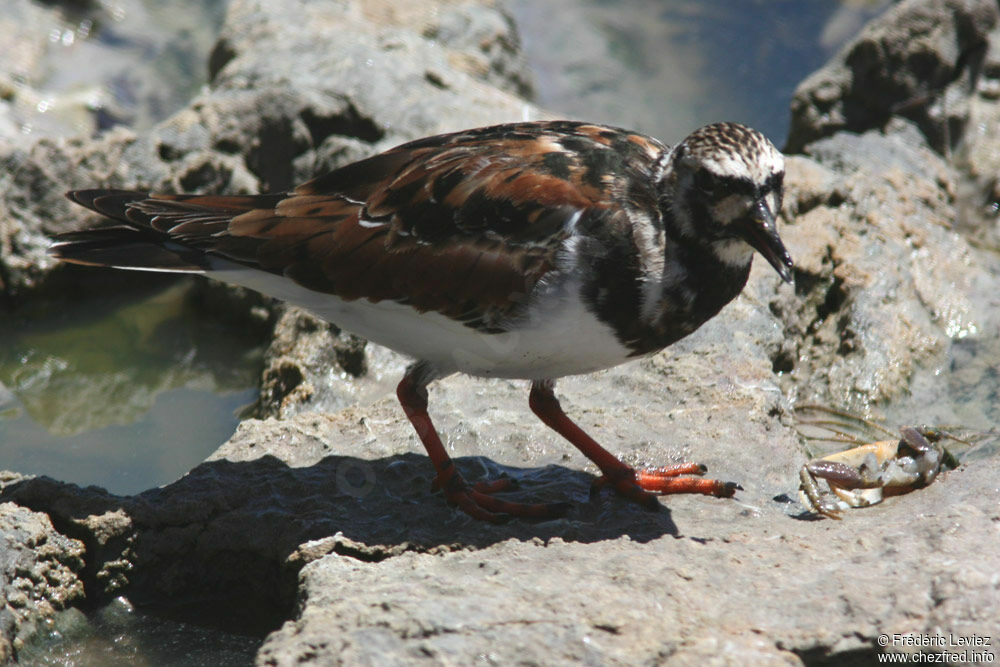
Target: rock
x: 978, y: 156
x: 895, y: 273
x: 888, y: 291
x: 748, y: 591
x: 39, y: 574
x: 477, y: 38
x: 883, y: 285
x: 917, y: 61
x: 30, y: 31
x: 33, y: 206
x: 312, y: 366
x: 234, y: 532
x: 142, y: 64
x: 306, y: 367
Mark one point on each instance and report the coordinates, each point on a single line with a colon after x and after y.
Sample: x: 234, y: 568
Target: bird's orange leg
x: 475, y: 500
x: 641, y: 486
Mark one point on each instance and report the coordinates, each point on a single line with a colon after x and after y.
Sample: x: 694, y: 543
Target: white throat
x: 733, y: 252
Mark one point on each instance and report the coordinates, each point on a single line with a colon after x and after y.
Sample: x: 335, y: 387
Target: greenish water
x: 125, y: 389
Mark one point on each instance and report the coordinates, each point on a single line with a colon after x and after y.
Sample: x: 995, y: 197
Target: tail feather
x: 142, y: 239
x: 138, y: 209
x: 111, y: 203
x: 186, y: 232
x: 126, y: 248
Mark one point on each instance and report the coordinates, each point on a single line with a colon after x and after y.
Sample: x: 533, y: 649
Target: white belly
x: 558, y: 337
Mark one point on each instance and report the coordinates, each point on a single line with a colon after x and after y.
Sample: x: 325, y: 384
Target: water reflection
x: 87, y: 384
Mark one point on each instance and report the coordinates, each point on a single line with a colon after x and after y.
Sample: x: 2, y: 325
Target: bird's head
x: 724, y: 186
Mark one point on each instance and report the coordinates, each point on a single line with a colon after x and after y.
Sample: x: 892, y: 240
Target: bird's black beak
x: 761, y: 232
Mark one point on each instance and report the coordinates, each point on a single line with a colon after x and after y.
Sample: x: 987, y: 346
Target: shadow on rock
x: 223, y: 545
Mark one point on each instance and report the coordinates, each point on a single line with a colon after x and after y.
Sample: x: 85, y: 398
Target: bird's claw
x: 644, y: 485
x: 476, y: 499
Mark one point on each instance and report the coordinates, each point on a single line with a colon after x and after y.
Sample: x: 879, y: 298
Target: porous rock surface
x: 39, y: 574
x: 323, y: 523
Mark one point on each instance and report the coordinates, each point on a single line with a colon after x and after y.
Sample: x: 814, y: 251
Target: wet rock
x: 40, y: 574
x: 310, y: 366
x: 142, y: 64
x: 27, y: 29
x: 895, y: 273
x: 883, y: 284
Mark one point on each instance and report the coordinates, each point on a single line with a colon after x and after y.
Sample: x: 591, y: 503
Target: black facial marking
x: 717, y: 186
x: 774, y: 182
x: 706, y: 182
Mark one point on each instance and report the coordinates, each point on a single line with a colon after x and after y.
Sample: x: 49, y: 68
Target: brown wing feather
x: 329, y: 251
x: 463, y: 224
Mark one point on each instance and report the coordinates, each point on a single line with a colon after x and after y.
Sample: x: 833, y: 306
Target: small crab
x: 859, y: 477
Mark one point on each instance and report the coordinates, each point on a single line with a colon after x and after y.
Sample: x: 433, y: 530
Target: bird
x: 531, y: 250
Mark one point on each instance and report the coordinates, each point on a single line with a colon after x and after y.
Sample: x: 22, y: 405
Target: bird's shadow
x: 224, y: 544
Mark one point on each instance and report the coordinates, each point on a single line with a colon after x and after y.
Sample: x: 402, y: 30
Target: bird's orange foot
x: 644, y: 485
x: 476, y: 499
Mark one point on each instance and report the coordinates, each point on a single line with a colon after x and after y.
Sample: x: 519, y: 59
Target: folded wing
x: 463, y: 224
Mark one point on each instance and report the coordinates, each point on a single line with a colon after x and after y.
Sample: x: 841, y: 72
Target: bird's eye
x: 706, y: 182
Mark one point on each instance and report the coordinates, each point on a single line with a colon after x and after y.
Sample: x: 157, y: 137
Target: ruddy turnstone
x: 528, y: 250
